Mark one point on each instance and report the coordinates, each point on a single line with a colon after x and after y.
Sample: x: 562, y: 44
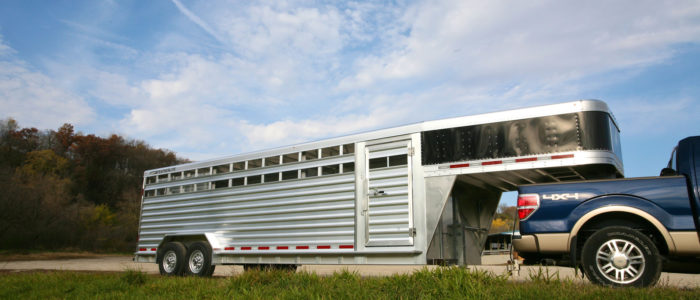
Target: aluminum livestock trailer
x: 418, y: 194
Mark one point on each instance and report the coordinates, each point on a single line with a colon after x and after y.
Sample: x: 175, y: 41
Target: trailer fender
x: 188, y: 239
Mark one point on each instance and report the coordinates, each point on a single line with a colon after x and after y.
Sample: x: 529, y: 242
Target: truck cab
x: 621, y: 232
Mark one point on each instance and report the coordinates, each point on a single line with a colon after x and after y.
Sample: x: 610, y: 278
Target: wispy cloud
x: 197, y: 20
x: 35, y: 99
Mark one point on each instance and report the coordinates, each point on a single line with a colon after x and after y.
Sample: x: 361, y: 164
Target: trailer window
x: 254, y: 179
x: 238, y: 181
x: 348, y: 148
x: 348, y: 167
x: 163, y: 178
x: 330, y: 151
x: 203, y: 186
x: 398, y: 160
x: 189, y: 173
x: 376, y: 163
x: 239, y: 166
x: 150, y: 179
x: 254, y: 163
x: 174, y: 190
x: 221, y: 169
x: 329, y: 170
x: 203, y: 172
x: 309, y: 155
x: 290, y: 175
x: 176, y: 176
x: 188, y: 188
x: 219, y: 184
x: 272, y: 177
x: 310, y: 172
x: 149, y: 193
x: 272, y: 161
x: 290, y: 158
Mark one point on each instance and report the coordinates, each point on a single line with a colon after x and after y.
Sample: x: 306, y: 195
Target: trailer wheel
x: 199, y: 260
x: 172, y: 261
x: 621, y: 256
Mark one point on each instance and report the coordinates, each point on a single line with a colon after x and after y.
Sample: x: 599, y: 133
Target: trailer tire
x: 621, y: 256
x: 172, y: 260
x: 198, y: 261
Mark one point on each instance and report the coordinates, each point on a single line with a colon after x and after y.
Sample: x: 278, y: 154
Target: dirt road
x: 492, y: 264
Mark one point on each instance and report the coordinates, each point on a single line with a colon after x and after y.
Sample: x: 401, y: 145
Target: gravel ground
x: 491, y: 263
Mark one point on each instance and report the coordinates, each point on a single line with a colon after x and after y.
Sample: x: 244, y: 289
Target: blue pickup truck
x: 621, y: 232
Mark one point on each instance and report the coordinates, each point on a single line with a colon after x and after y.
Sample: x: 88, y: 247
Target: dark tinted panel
x: 550, y: 134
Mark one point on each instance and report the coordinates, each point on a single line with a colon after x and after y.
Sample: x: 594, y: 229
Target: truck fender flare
x: 626, y: 209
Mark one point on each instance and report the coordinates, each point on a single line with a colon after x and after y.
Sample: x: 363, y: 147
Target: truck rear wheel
x: 172, y: 261
x: 621, y: 256
x: 199, y: 260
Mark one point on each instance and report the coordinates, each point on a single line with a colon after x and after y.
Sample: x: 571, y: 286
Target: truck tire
x: 172, y: 261
x: 199, y: 260
x: 621, y: 256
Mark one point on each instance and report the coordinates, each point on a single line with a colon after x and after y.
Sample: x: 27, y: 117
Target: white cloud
x: 477, y: 42
x: 34, y: 99
x: 284, y: 72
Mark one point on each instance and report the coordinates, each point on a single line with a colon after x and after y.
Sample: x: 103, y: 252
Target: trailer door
x: 388, y: 204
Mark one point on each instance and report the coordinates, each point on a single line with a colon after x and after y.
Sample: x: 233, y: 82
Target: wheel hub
x: 169, y: 261
x: 196, y: 262
x: 620, y: 261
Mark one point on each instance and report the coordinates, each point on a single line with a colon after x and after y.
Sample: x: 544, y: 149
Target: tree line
x: 61, y: 189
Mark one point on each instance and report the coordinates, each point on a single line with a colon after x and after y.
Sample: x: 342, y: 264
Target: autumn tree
x: 66, y: 189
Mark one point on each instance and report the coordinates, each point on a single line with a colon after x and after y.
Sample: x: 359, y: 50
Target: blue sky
x: 213, y: 78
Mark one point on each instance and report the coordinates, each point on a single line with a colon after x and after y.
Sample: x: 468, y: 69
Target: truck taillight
x: 527, y: 204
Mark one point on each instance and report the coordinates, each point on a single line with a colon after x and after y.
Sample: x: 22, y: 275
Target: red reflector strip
x: 264, y: 248
x: 526, y: 159
x: 323, y: 247
x: 459, y: 166
x: 230, y: 248
x: 246, y: 248
x: 346, y: 246
x: 153, y: 249
x: 562, y: 156
x: 302, y: 247
x: 282, y: 248
x: 494, y: 162
x: 143, y: 249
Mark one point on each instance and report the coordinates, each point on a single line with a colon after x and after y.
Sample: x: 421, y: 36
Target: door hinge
x: 411, y: 151
x: 412, y: 232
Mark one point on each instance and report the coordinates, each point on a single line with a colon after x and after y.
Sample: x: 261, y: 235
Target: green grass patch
x: 441, y: 283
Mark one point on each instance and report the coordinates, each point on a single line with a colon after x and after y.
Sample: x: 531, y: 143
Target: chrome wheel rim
x: 196, y: 261
x: 620, y: 261
x: 169, y: 261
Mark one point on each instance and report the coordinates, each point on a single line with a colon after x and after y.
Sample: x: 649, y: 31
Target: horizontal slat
x: 254, y: 172
x: 389, y: 152
x: 257, y: 213
x: 321, y: 182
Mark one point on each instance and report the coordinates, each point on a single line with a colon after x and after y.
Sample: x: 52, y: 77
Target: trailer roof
x: 499, y: 116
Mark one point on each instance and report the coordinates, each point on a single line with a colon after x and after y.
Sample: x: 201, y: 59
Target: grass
x: 441, y: 283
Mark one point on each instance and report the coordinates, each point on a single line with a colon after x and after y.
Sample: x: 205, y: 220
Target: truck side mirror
x: 668, y: 172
